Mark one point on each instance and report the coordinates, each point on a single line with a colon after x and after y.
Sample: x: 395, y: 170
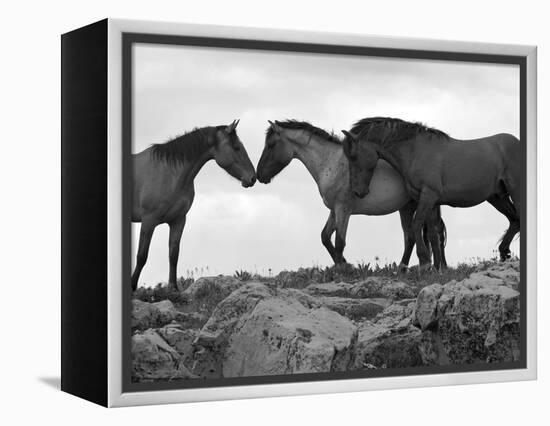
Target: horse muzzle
x: 361, y: 194
x: 263, y: 179
x: 247, y: 183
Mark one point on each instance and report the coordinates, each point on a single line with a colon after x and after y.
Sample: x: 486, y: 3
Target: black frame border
x: 84, y: 235
x: 129, y: 39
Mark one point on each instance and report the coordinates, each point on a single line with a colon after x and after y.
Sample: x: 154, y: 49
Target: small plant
x: 243, y: 275
x: 163, y: 291
x: 208, y: 296
x: 364, y: 269
x: 431, y: 276
x: 184, y: 283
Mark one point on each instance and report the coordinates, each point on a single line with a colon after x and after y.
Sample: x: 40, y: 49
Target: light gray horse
x: 323, y: 156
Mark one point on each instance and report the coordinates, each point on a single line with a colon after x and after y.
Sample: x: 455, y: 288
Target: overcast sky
x: 277, y: 226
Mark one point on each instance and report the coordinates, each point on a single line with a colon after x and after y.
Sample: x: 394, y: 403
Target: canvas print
x: 306, y: 215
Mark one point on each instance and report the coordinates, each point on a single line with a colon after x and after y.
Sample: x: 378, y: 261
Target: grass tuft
x: 165, y: 291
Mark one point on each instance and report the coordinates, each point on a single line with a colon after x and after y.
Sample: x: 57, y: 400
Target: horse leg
x: 441, y: 230
x: 176, y: 229
x: 406, y: 215
x: 505, y: 206
x: 424, y: 209
x: 145, y: 235
x: 515, y: 195
x: 433, y: 236
x: 326, y: 235
x: 342, y: 220
x: 427, y: 240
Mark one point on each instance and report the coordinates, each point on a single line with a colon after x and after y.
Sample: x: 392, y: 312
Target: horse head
x: 362, y: 157
x: 230, y: 155
x: 277, y: 153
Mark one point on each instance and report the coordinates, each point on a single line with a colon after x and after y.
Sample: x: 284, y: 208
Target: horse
x: 438, y: 170
x: 321, y: 153
x: 163, y: 183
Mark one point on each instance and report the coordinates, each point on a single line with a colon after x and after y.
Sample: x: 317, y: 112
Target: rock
x: 207, y: 364
x: 148, y: 315
x: 288, y: 339
x: 426, y: 307
x: 378, y: 347
x: 254, y: 328
x: 502, y: 273
x: 219, y: 287
x: 372, y: 287
x: 355, y: 309
x: 154, y: 359
x: 389, y: 341
x: 181, y: 340
x: 305, y: 299
x: 260, y: 330
x: 166, y: 310
x: 384, y: 287
x: 476, y: 319
x: 330, y: 289
x: 194, y: 319
x: 144, y: 314
x: 508, y: 271
x: 233, y: 309
x: 299, y: 278
x: 397, y: 315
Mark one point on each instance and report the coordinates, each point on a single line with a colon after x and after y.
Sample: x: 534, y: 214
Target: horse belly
x: 469, y: 195
x: 387, y: 193
x: 469, y: 189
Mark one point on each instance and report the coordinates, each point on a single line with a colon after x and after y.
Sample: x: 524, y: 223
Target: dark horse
x: 439, y: 170
x: 321, y: 152
x: 163, y: 183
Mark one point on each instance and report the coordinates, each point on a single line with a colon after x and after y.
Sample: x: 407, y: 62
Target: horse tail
x: 509, y: 210
x: 502, y: 238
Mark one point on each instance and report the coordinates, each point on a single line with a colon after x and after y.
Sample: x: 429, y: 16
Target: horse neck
x: 191, y: 168
x: 315, y: 153
x: 395, y: 155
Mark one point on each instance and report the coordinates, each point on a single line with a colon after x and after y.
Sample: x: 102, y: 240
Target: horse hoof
x: 402, y: 267
x: 427, y: 267
x: 505, y: 255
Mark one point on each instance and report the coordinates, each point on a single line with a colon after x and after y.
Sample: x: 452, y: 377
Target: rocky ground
x: 263, y: 328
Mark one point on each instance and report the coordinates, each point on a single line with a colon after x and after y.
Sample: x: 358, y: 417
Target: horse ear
x: 276, y: 128
x: 349, y: 135
x: 349, y: 144
x: 231, y: 128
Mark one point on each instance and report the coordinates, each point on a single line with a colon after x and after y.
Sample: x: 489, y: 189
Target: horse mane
x: 400, y: 130
x: 304, y: 125
x: 188, y: 146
